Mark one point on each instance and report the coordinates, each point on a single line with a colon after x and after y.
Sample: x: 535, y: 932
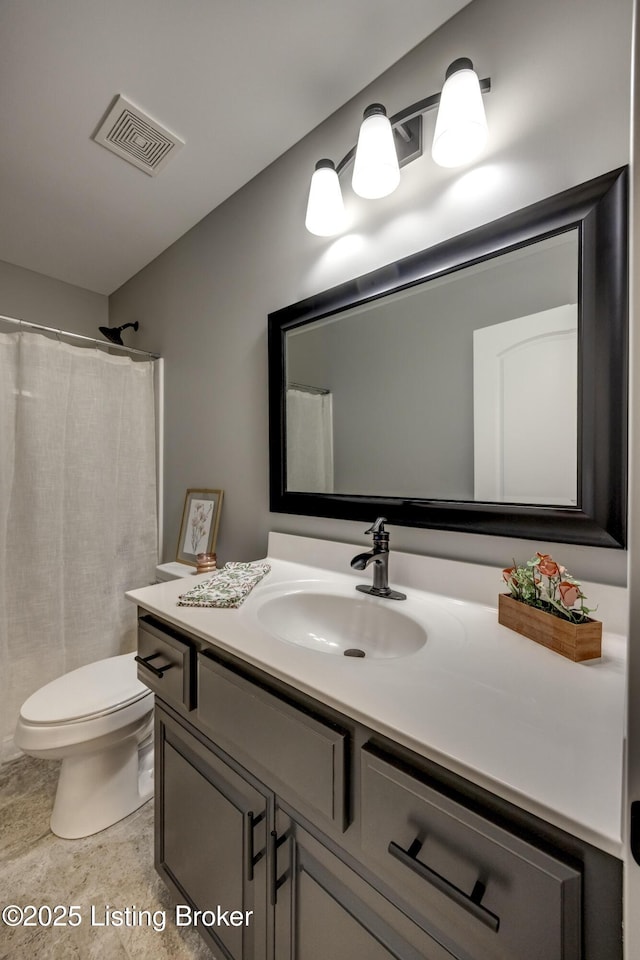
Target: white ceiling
x: 239, y: 80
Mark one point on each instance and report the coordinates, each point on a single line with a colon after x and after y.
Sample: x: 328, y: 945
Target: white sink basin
x: 342, y: 625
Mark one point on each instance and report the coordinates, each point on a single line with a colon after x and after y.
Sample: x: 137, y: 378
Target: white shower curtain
x: 309, y: 441
x: 78, y: 521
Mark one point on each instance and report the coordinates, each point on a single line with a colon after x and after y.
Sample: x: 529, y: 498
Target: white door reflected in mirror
x: 525, y: 376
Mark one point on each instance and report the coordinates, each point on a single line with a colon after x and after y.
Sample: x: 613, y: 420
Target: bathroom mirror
x: 479, y: 385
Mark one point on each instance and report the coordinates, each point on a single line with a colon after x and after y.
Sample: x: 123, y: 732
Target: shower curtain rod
x: 306, y: 388
x: 79, y: 336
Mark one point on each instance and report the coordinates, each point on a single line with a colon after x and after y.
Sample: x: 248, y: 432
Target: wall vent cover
x: 132, y: 135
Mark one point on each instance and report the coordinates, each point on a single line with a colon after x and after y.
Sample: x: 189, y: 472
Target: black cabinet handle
x: 250, y: 822
x: 276, y: 882
x: 634, y: 833
x: 159, y: 671
x: 469, y: 902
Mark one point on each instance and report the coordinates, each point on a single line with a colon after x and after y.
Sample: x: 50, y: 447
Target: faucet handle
x: 377, y: 528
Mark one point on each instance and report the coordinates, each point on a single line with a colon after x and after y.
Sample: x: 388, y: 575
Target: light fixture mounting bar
x: 408, y: 140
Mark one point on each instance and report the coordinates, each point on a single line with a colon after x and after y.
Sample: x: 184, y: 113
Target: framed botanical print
x: 199, y: 527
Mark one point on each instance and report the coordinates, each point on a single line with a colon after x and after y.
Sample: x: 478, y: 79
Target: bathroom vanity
x: 454, y: 794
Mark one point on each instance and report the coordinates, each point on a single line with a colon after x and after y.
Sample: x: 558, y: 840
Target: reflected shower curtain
x: 77, y: 510
x: 309, y: 441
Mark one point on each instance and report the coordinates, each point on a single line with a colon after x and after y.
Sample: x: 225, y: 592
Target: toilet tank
x: 173, y: 571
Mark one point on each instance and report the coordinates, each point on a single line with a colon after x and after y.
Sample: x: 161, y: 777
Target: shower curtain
x: 309, y: 441
x: 78, y: 522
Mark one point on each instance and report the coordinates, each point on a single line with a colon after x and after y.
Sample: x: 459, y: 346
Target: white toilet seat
x: 97, y: 701
x: 39, y: 738
x: 90, y: 691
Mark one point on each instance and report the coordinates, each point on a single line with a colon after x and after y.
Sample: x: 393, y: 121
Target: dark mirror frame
x: 598, y: 209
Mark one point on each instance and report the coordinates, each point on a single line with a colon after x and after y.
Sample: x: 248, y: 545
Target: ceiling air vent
x: 135, y: 137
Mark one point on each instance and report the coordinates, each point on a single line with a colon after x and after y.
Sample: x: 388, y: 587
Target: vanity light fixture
x: 387, y: 143
x: 376, y: 172
x: 461, y: 125
x: 325, y: 208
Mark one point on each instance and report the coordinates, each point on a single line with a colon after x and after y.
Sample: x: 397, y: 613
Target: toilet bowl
x: 98, y: 720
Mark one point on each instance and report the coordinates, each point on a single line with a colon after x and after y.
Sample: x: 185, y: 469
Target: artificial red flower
x: 569, y: 593
x: 548, y: 567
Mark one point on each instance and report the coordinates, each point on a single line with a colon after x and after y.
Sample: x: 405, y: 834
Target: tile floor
x: 113, y: 867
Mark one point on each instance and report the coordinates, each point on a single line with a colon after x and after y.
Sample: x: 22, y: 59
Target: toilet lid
x: 96, y: 688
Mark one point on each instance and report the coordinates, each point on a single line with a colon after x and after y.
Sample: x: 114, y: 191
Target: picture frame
x: 199, y: 526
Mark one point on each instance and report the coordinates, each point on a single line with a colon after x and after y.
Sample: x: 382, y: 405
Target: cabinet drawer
x: 478, y: 887
x: 300, y: 756
x: 166, y: 663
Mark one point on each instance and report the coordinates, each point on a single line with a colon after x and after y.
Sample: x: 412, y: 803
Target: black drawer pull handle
x: 470, y: 903
x: 276, y: 881
x: 159, y: 671
x: 252, y: 858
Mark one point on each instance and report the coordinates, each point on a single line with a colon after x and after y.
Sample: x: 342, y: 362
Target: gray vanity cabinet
x: 211, y: 835
x: 504, y: 898
x: 166, y: 662
x: 339, y: 843
x: 301, y: 756
x: 324, y: 909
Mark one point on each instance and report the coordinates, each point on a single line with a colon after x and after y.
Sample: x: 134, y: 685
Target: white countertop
x: 488, y: 704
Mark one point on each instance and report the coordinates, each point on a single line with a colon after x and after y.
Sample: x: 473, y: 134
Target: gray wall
x: 28, y: 295
x: 558, y: 115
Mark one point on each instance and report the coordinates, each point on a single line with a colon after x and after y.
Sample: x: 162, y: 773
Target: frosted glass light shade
x: 325, y: 207
x: 461, y: 125
x: 375, y: 170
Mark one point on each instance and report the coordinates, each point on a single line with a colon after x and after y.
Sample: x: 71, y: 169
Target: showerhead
x: 114, y: 334
x: 111, y: 334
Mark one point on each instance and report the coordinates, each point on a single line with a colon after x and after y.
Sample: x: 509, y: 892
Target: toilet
x: 98, y: 720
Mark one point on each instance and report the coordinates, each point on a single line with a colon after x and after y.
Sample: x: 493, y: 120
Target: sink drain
x: 354, y: 652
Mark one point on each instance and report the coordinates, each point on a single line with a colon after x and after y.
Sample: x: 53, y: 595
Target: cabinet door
x: 324, y: 909
x: 211, y: 842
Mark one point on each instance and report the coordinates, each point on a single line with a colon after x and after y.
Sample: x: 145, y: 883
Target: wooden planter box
x: 577, y: 641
